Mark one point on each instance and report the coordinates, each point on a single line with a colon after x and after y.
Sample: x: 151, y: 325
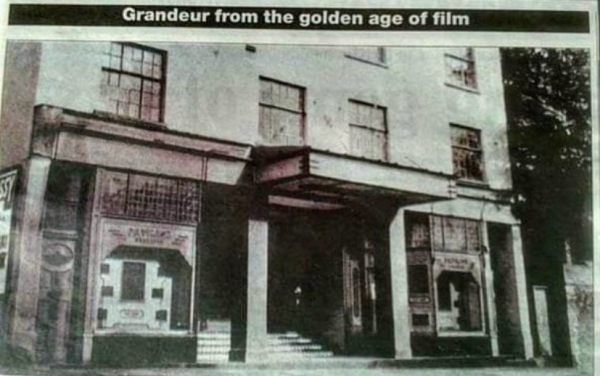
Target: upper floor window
x: 466, y: 153
x: 281, y: 112
x: 367, y: 53
x: 368, y: 130
x: 460, y: 67
x: 135, y: 81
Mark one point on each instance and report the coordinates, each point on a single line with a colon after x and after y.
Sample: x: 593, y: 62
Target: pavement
x: 292, y: 370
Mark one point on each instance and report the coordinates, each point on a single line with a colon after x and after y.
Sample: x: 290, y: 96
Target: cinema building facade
x: 208, y: 203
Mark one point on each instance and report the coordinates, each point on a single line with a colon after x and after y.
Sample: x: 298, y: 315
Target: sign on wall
x: 118, y: 232
x: 8, y: 182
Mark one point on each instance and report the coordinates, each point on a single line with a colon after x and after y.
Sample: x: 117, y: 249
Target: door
x: 359, y: 299
x: 353, y: 286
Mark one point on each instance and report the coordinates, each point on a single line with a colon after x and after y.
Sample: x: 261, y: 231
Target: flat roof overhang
x: 105, y: 141
x: 332, y: 178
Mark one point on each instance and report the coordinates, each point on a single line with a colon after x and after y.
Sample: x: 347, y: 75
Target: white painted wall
x: 213, y: 90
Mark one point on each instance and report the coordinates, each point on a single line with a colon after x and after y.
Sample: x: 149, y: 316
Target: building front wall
x: 199, y: 101
x: 419, y: 107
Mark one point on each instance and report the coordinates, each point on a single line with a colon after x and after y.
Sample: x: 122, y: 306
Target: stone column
x: 256, y: 309
x: 399, y: 280
x: 521, y: 286
x: 28, y: 256
x: 490, y: 300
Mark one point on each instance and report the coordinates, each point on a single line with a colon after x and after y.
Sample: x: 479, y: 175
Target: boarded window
x: 368, y: 130
x: 460, y: 67
x: 134, y: 81
x: 466, y: 153
x: 281, y: 113
x: 367, y: 53
x: 133, y: 281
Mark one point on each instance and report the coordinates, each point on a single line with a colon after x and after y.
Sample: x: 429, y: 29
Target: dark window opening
x: 161, y: 315
x: 107, y: 291
x: 133, y: 281
x: 418, y: 279
x: 157, y: 293
x: 102, y: 314
x: 420, y: 319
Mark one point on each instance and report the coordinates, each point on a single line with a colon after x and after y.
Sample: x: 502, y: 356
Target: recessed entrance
x: 325, y: 283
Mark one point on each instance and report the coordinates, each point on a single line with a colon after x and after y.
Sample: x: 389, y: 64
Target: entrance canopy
x: 323, y: 176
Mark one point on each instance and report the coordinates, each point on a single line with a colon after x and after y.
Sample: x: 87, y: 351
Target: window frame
x: 384, y: 133
x: 382, y: 61
x: 162, y: 80
x: 301, y: 112
x: 483, y: 179
x: 470, y: 60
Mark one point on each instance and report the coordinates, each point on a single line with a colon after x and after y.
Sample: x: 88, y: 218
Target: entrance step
x: 213, y: 342
x: 292, y: 346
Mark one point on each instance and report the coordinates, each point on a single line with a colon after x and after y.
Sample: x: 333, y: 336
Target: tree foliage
x: 547, y: 94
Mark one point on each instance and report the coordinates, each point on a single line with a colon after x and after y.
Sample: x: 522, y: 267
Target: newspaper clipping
x: 361, y: 187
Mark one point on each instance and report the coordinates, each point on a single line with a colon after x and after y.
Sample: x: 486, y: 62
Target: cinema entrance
x: 328, y: 285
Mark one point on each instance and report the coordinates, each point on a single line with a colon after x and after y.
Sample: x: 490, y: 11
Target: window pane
x: 140, y: 71
x: 133, y: 281
x: 466, y: 153
x: 460, y: 72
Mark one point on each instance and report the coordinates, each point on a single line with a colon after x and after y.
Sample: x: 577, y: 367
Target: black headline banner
x: 300, y: 18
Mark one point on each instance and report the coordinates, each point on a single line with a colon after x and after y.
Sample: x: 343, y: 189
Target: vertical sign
x: 7, y: 192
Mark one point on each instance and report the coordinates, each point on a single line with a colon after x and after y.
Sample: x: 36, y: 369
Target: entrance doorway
x: 328, y: 283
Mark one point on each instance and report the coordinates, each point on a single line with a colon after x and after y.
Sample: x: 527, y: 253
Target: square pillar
x: 521, y: 286
x: 399, y: 280
x: 490, y: 296
x: 28, y: 257
x: 256, y: 308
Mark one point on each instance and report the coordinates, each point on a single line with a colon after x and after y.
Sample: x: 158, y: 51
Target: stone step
x: 213, y: 335
x: 299, y: 355
x: 277, y: 340
x: 212, y: 358
x: 286, y: 347
x: 210, y: 342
